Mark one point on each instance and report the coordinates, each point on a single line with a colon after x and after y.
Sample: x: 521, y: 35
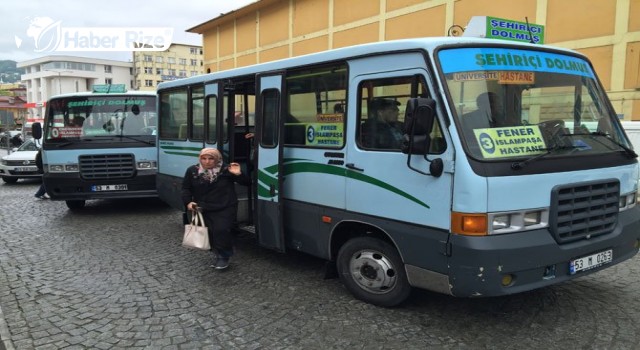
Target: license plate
x: 590, y: 262
x: 100, y: 188
x: 26, y: 169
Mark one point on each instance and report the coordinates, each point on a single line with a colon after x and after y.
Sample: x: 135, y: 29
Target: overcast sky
x: 34, y: 24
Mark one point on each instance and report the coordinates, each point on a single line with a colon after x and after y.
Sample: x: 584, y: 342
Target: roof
x: 229, y: 16
x: 12, y: 102
x: 352, y: 52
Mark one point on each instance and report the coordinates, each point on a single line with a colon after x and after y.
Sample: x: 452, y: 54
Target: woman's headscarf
x: 210, y: 174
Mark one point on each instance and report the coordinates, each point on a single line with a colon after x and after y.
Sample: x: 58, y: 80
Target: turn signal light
x: 469, y: 224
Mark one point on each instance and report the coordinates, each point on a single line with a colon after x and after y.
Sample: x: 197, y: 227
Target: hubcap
x: 373, y: 271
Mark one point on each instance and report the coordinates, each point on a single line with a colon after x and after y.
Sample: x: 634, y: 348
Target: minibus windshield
x: 512, y: 104
x: 101, y: 118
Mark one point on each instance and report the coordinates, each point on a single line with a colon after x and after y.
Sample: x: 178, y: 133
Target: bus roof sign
x: 109, y: 88
x: 505, y: 29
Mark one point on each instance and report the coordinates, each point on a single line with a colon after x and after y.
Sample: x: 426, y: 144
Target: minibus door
x: 268, y: 179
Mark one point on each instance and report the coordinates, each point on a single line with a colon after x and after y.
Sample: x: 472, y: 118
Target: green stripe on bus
x: 266, y: 177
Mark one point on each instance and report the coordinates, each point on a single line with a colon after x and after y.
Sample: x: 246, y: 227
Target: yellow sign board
x: 324, y: 134
x: 514, y: 141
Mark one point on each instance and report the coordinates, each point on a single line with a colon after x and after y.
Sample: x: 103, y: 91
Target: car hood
x: 21, y: 155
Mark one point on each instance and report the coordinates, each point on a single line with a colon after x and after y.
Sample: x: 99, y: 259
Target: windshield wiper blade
x: 135, y: 139
x: 628, y: 151
x: 549, y: 150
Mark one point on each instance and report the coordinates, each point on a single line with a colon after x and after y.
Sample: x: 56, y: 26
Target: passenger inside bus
x: 382, y: 130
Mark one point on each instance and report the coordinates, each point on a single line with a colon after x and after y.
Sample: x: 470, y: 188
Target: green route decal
x: 268, y: 177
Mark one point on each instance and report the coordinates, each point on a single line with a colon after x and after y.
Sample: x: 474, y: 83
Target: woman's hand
x: 192, y: 206
x: 235, y: 169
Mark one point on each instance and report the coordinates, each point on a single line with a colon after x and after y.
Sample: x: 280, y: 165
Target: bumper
x: 16, y: 173
x: 72, y: 187
x: 533, y: 259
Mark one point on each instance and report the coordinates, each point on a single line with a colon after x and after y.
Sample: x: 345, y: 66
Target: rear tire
x: 10, y: 180
x: 75, y: 204
x: 372, y: 271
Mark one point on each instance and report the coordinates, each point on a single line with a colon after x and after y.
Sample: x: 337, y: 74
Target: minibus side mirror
x: 36, y: 130
x: 418, y: 122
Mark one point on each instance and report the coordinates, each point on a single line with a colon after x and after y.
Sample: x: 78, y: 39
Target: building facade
x: 607, y: 31
x: 53, y: 75
x: 13, y: 107
x: 178, y: 61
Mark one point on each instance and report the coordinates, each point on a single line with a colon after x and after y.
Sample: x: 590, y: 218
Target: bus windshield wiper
x: 135, y: 139
x: 549, y: 150
x: 628, y: 151
x: 63, y: 144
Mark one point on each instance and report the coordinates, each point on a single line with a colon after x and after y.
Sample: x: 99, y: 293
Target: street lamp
x: 59, y: 79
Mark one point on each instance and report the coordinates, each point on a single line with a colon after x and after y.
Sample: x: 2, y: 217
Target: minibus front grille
x: 107, y: 166
x: 584, y: 210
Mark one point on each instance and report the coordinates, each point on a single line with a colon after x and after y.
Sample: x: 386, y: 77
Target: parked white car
x: 20, y: 164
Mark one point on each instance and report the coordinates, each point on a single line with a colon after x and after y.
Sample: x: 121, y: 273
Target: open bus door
x: 269, y: 211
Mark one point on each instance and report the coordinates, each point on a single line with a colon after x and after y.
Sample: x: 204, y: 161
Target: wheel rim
x: 373, y: 271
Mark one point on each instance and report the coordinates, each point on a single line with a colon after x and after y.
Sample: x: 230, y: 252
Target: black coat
x: 211, y: 196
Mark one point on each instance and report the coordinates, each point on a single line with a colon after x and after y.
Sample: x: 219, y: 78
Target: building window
x: 108, y: 81
x: 148, y: 83
x: 107, y: 69
x: 183, y: 61
x: 194, y: 73
x: 159, y: 71
x: 172, y: 71
x: 148, y: 70
x: 193, y: 50
x: 194, y: 62
x: 183, y: 73
x: 171, y: 60
x: 148, y: 58
x: 158, y: 59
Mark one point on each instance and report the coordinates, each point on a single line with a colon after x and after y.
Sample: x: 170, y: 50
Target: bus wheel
x: 372, y: 271
x: 77, y: 204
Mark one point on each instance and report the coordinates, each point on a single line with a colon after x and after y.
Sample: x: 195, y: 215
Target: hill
x: 8, y: 71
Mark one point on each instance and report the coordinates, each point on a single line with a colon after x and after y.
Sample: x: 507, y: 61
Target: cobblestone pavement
x: 115, y: 276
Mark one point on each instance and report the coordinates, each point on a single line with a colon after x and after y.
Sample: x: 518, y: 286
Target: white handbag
x: 196, y: 234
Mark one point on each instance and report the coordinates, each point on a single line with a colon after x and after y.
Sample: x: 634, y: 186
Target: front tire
x: 10, y: 180
x: 75, y: 204
x: 372, y: 271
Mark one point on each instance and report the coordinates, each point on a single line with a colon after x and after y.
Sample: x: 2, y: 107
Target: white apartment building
x: 53, y: 75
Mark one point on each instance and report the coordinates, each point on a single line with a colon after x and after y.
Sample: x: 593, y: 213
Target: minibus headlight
x: 71, y: 168
x: 518, y: 220
x: 146, y: 165
x: 501, y: 221
x: 63, y: 168
x: 532, y: 218
x: 56, y: 168
x: 628, y: 201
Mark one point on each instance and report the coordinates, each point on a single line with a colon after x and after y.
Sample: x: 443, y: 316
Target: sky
x: 32, y: 29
